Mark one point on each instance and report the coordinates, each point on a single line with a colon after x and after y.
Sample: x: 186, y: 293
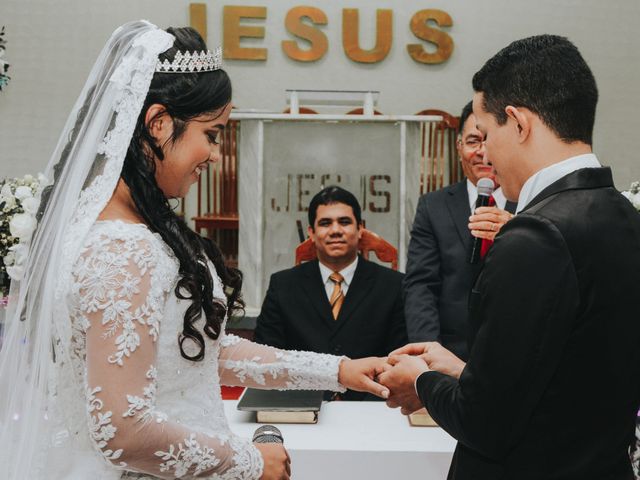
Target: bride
x: 115, y: 347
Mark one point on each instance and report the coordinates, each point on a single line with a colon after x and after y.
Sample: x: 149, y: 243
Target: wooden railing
x: 439, y: 165
x: 217, y: 212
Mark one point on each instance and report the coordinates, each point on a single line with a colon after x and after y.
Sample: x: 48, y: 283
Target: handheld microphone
x: 485, y: 188
x: 267, y: 434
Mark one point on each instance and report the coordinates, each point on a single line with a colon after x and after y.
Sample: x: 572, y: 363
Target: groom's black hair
x: 547, y: 75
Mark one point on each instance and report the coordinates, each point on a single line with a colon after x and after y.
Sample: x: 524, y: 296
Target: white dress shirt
x: 498, y: 196
x: 545, y: 177
x: 347, y: 273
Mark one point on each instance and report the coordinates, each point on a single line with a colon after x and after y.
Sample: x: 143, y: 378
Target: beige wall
x: 52, y: 44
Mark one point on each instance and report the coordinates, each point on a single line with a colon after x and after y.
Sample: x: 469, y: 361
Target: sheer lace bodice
x: 148, y: 409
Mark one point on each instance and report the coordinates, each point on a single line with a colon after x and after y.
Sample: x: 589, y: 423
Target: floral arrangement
x: 19, y: 199
x: 633, y: 195
x: 4, y: 66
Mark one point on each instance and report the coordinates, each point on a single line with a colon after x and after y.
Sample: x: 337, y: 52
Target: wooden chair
x: 360, y: 111
x: 218, y: 196
x: 301, y: 110
x: 370, y: 242
x: 438, y: 151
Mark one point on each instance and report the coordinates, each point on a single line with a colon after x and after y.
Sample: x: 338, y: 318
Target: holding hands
x: 400, y: 380
x: 393, y: 378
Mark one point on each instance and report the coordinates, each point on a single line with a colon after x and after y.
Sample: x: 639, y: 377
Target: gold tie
x: 337, y: 297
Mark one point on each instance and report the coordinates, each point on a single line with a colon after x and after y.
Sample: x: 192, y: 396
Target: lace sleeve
x: 121, y: 303
x: 258, y: 366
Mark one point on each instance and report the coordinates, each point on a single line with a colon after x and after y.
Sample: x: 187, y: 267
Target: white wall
x: 53, y: 43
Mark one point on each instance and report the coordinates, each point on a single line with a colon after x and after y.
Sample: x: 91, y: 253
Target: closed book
x: 288, y: 406
x: 421, y: 418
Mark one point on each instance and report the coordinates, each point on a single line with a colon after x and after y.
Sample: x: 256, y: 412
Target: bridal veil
x: 35, y: 364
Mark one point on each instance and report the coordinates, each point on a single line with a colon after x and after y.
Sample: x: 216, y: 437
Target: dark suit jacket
x: 296, y: 313
x: 551, y: 388
x: 439, y: 275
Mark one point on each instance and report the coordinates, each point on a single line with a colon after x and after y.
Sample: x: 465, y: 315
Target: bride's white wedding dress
x: 128, y: 401
x: 95, y: 385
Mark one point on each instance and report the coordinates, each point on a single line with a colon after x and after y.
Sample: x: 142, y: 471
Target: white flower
x: 22, y: 226
x: 20, y: 252
x: 633, y: 195
x: 30, y: 205
x: 23, y: 192
x: 28, y: 178
x: 6, y: 190
x: 42, y: 180
x: 16, y: 272
x: 9, y: 201
x: 9, y: 258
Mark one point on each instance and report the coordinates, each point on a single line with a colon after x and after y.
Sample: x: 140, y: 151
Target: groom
x: 552, y: 384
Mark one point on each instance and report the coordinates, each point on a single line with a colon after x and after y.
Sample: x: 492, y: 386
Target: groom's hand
x: 437, y: 357
x: 400, y: 380
x: 411, y: 349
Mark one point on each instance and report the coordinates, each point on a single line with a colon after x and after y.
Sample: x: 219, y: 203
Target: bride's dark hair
x: 185, y: 96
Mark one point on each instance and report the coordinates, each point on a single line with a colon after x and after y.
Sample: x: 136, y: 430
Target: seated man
x: 341, y: 303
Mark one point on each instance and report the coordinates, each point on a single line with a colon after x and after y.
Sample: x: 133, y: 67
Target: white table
x: 358, y: 440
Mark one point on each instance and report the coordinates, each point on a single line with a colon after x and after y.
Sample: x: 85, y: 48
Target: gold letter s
x: 441, y: 39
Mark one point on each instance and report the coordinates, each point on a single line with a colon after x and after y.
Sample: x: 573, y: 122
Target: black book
x: 286, y: 406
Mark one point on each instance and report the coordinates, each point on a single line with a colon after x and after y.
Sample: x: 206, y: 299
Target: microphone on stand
x: 485, y: 188
x: 268, y: 434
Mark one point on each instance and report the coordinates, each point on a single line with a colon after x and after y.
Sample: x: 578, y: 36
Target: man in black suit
x: 357, y: 313
x: 439, y: 275
x: 550, y: 390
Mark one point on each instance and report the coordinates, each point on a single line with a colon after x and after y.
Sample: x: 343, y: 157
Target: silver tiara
x: 190, y: 62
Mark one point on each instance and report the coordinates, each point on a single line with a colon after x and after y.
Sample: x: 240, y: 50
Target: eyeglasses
x: 472, y: 143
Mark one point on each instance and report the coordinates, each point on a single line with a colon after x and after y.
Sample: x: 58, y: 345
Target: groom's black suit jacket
x: 296, y: 314
x: 552, y: 385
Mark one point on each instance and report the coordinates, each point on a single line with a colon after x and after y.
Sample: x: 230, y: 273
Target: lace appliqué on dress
x: 103, y: 275
x: 121, y: 283
x: 302, y: 370
x: 247, y: 459
x: 182, y: 458
x: 100, y: 427
x: 311, y: 371
x: 145, y: 408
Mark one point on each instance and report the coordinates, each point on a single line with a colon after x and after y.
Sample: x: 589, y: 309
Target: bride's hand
x: 361, y: 375
x: 277, y: 464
